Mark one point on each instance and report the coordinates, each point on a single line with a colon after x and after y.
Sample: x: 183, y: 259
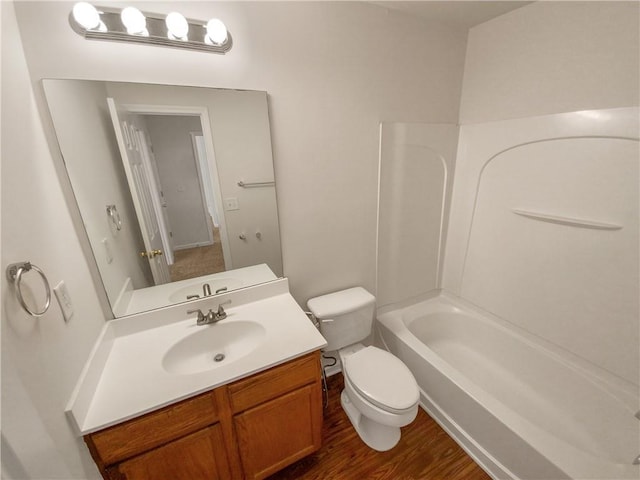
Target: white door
x: 200, y: 154
x: 159, y: 201
x: 140, y: 179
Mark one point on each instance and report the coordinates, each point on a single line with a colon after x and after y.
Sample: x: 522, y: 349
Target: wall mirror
x: 175, y: 187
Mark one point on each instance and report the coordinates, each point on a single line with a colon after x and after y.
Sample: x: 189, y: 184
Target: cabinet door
x: 279, y: 432
x: 200, y: 455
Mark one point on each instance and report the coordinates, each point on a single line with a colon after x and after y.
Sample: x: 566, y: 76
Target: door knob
x: 151, y: 254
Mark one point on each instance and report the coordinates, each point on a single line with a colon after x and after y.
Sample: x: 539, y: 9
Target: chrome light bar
x: 109, y: 24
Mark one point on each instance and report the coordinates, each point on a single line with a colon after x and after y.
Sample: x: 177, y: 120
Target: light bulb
x: 177, y: 25
x: 86, y: 15
x: 216, y: 31
x: 134, y: 21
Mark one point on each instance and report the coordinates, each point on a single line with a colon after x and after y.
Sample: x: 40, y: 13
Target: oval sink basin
x: 197, y: 288
x: 213, y: 346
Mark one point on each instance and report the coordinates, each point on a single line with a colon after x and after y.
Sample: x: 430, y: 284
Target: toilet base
x: 375, y: 435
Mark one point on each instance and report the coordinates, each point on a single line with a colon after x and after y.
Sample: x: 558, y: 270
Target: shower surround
x: 536, y: 300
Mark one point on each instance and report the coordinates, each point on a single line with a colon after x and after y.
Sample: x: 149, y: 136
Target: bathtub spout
x: 637, y: 460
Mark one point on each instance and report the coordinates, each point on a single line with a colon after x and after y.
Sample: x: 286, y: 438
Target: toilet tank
x: 345, y: 317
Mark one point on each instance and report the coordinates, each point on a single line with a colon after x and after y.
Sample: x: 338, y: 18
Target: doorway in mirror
x: 198, y: 261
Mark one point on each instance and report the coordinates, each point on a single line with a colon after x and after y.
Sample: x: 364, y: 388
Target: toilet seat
x: 382, y: 379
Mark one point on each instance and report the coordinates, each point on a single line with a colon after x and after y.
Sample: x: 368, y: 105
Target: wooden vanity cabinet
x: 277, y: 416
x: 247, y: 429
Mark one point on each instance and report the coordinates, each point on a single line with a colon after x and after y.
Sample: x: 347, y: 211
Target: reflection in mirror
x: 175, y: 187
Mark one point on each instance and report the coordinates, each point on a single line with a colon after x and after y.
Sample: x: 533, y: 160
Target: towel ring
x: 114, y: 216
x: 15, y: 272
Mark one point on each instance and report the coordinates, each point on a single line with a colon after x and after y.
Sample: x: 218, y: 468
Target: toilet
x: 380, y: 393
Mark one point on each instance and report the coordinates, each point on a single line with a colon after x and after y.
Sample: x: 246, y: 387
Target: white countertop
x: 125, y: 377
x: 135, y: 301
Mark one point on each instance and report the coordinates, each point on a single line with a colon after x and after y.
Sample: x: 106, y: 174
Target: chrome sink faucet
x: 221, y: 314
x: 202, y: 318
x: 211, y: 317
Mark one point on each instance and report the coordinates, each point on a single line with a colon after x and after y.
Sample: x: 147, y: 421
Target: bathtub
x: 521, y: 408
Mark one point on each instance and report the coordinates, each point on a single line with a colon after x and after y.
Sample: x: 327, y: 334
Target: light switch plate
x: 64, y: 299
x: 107, y: 250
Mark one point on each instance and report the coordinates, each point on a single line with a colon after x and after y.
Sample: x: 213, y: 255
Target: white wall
x: 85, y: 134
x: 552, y: 57
x: 333, y: 71
x: 548, y: 58
x: 41, y: 358
x: 508, y: 74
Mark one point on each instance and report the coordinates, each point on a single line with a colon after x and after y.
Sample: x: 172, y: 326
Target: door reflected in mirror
x: 188, y: 171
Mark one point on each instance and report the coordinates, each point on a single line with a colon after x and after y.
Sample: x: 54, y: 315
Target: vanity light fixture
x: 216, y: 32
x: 177, y: 26
x: 132, y: 25
x: 87, y: 16
x: 134, y: 21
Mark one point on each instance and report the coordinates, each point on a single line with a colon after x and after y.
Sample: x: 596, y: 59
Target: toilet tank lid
x: 340, y: 303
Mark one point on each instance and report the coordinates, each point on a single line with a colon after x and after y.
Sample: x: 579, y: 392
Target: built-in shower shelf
x: 562, y: 220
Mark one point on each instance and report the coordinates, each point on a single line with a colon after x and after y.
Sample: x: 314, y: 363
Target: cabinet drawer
x: 149, y: 431
x: 277, y: 381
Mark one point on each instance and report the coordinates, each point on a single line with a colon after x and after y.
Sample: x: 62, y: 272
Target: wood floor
x: 425, y: 452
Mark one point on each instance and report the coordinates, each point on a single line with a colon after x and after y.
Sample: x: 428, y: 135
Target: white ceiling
x: 455, y: 13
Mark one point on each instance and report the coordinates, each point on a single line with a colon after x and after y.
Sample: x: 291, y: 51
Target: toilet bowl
x: 378, y: 399
x: 380, y: 395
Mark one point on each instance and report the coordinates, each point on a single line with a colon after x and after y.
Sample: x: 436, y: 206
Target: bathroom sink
x: 213, y: 346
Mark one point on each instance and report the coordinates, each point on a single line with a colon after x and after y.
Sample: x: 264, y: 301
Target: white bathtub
x: 521, y: 408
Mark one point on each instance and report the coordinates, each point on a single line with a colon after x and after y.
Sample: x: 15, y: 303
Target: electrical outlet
x: 231, y: 203
x: 64, y: 300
